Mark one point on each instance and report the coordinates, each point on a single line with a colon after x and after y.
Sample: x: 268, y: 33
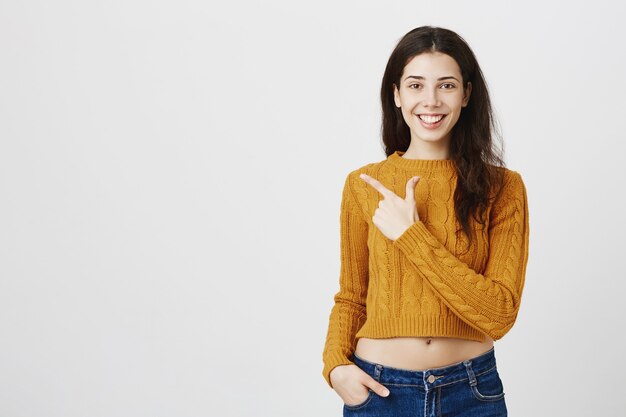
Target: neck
x: 421, y: 149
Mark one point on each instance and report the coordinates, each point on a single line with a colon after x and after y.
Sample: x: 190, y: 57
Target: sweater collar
x: 397, y: 160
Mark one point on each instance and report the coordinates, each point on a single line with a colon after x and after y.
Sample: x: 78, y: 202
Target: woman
x: 434, y: 246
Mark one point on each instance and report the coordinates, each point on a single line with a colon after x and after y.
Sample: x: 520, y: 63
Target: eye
x: 451, y: 86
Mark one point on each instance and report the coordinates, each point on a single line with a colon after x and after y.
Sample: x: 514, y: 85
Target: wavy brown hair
x: 477, y: 157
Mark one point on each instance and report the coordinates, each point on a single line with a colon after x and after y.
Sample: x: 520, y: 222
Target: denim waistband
x: 433, y: 377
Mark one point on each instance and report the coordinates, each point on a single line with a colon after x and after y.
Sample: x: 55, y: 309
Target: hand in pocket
x: 352, y: 384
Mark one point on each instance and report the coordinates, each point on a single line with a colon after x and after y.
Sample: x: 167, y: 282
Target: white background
x: 170, y: 181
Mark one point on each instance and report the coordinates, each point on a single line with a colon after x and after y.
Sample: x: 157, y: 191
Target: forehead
x: 432, y: 66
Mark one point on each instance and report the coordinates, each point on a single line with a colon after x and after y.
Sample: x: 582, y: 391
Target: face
x: 431, y: 83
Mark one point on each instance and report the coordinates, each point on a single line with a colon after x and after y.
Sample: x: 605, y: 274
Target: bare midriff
x: 420, y: 353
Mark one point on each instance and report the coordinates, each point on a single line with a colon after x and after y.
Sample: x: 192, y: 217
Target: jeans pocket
x: 487, y: 386
x: 363, y: 403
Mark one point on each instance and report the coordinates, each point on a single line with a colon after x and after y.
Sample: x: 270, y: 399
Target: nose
x: 431, y: 97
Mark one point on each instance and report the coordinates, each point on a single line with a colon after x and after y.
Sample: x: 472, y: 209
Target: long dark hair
x: 477, y: 157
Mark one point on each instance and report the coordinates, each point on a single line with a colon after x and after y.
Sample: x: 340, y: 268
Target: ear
x: 468, y: 92
x: 396, y: 96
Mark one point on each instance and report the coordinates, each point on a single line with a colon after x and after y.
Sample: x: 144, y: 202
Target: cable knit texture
x: 427, y: 282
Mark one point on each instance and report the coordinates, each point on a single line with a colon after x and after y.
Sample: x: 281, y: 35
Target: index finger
x: 377, y: 185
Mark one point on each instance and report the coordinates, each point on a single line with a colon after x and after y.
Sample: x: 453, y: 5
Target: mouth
x: 431, y: 121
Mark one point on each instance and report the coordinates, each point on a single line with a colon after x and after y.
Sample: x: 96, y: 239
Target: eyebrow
x: 419, y: 77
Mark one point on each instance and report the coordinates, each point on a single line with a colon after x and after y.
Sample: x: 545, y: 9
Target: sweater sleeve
x: 489, y: 301
x: 348, y: 314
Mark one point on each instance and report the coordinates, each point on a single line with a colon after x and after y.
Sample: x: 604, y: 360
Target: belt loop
x: 470, y: 372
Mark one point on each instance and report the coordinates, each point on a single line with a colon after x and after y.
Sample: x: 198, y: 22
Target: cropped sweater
x: 427, y: 282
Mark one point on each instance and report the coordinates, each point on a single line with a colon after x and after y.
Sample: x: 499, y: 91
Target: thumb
x: 410, y: 188
x: 377, y: 387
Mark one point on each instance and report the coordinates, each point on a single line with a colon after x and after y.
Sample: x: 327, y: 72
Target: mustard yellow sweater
x: 426, y: 282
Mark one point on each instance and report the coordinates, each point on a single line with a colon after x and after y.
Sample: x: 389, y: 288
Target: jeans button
x: 431, y: 379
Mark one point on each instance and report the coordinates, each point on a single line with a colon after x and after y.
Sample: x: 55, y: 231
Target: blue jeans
x: 468, y: 388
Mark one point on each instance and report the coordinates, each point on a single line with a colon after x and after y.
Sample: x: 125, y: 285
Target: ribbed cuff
x: 412, y: 237
x: 331, y: 361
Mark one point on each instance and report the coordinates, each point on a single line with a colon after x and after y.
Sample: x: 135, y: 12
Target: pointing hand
x: 394, y: 214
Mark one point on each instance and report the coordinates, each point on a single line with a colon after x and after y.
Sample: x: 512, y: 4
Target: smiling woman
x: 434, y: 245
x: 417, y: 92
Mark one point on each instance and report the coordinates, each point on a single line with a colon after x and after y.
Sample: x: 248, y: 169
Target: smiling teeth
x: 430, y: 119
